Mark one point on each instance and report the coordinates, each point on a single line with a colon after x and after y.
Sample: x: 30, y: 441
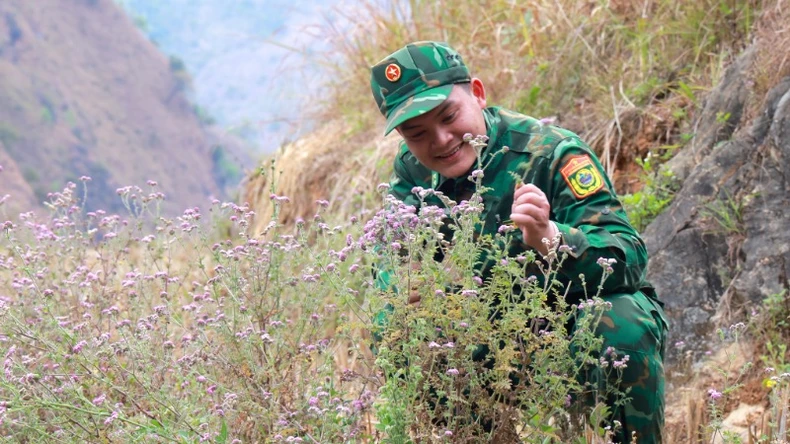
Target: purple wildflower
x: 505, y: 229
x: 111, y: 418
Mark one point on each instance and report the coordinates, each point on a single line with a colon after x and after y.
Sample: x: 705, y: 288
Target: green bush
x: 658, y: 190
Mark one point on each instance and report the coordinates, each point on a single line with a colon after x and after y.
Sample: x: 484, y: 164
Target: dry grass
x: 333, y: 163
x: 627, y: 76
x: 745, y: 411
x: 550, y: 56
x: 772, y: 31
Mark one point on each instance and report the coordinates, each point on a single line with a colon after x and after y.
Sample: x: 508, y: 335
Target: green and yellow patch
x: 582, y: 176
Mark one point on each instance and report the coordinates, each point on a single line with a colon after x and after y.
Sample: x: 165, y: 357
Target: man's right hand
x: 530, y: 213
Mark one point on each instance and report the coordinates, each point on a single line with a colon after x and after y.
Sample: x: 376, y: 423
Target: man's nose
x: 443, y: 137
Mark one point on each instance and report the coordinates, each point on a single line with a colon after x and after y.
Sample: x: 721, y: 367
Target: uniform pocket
x: 653, y: 307
x: 634, y: 323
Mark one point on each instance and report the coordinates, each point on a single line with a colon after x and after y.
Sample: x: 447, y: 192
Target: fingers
x: 524, y: 220
x: 539, y: 200
x: 537, y: 212
x: 530, y: 200
x: 530, y: 210
x: 527, y: 188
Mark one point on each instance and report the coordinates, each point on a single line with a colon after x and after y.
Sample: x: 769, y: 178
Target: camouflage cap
x: 415, y: 79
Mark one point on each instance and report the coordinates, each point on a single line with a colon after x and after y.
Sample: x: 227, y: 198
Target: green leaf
x: 534, y: 93
x: 686, y: 90
x: 223, y: 433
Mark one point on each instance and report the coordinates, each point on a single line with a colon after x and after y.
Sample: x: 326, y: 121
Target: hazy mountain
x: 250, y: 66
x: 83, y: 92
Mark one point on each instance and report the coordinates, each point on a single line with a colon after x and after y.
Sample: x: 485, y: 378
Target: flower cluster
x: 393, y: 223
x: 114, y: 307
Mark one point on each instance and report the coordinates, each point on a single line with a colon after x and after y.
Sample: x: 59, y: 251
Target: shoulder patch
x: 582, y: 176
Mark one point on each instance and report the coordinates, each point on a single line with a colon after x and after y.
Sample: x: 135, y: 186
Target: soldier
x: 428, y: 96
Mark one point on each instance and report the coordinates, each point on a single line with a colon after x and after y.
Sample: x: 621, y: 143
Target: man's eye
x: 416, y: 135
x: 449, y: 118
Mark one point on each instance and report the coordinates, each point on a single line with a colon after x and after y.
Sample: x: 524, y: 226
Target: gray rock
x: 727, y: 99
x: 712, y: 270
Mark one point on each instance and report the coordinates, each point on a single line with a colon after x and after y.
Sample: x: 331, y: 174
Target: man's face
x: 436, y: 137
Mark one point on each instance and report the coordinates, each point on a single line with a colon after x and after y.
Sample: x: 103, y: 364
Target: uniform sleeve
x: 593, y: 223
x: 401, y: 183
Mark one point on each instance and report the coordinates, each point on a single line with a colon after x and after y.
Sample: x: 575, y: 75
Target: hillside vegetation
x: 258, y: 322
x: 627, y: 76
x: 83, y: 93
x: 633, y: 79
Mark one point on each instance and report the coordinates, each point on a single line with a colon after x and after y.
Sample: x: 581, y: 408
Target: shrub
x: 658, y: 190
x: 139, y: 327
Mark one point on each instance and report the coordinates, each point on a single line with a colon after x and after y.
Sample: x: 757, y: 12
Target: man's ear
x: 478, y: 90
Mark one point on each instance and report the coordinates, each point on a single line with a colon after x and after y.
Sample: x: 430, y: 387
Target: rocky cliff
x: 723, y: 245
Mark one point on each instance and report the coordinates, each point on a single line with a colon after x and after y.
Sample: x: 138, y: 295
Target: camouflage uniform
x: 584, y: 208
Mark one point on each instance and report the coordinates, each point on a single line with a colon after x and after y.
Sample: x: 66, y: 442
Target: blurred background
x: 253, y: 64
x: 185, y: 93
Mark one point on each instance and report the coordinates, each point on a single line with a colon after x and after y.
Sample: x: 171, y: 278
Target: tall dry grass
x: 626, y: 75
x: 551, y: 57
x: 333, y: 163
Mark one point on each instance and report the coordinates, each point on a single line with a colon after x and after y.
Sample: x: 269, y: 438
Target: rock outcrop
x: 724, y: 245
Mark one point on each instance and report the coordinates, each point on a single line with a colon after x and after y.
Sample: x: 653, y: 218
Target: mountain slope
x: 82, y: 92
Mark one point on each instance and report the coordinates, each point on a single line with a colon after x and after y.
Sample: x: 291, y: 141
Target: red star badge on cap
x: 392, y: 72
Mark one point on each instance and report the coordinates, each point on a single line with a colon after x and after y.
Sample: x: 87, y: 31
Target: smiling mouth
x: 450, y: 154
